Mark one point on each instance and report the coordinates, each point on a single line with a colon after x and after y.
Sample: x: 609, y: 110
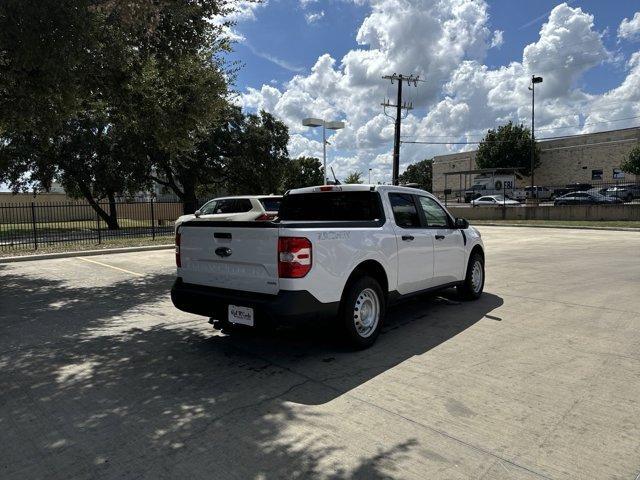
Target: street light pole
x: 534, y: 80
x: 324, y: 151
x: 318, y: 122
x: 369, y: 176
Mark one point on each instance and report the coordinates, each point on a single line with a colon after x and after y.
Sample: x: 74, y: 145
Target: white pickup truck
x: 337, y: 251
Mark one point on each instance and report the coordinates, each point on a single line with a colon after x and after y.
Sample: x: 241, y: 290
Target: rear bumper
x: 286, y: 306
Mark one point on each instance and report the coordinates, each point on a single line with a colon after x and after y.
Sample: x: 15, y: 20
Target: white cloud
x: 498, y: 39
x: 241, y: 11
x: 630, y: 29
x: 314, y: 17
x: 446, y: 43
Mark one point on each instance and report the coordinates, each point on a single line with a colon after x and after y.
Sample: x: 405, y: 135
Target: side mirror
x: 462, y: 224
x: 197, y: 213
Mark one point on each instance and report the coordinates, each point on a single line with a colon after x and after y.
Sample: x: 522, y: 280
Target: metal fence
x: 35, y: 225
x: 607, y: 193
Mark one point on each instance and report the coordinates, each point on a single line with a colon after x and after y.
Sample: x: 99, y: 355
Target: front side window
x: 209, y: 207
x: 434, y: 213
x: 404, y: 209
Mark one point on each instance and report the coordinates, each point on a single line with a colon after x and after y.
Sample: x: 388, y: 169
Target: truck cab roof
x: 357, y: 188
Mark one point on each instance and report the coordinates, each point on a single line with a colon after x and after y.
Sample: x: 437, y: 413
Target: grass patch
x: 78, y: 247
x: 562, y: 223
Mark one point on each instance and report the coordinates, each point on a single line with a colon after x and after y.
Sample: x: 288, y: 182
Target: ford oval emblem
x: 223, y: 252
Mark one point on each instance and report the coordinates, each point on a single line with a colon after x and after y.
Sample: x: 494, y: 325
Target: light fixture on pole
x: 317, y: 122
x: 369, y: 176
x: 532, y: 87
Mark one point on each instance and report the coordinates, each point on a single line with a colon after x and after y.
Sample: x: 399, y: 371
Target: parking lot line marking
x: 111, y: 266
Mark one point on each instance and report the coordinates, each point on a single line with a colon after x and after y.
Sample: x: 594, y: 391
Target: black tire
x: 471, y: 289
x: 361, y: 291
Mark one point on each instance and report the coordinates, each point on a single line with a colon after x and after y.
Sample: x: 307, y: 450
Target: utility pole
x: 399, y: 106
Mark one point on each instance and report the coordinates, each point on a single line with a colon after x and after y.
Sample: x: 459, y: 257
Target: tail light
x: 266, y: 217
x: 294, y: 257
x: 178, y: 262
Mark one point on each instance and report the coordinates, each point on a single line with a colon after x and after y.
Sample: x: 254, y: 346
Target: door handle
x: 439, y: 237
x: 407, y: 238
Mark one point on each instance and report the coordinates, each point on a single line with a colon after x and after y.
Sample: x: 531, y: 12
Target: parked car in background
x: 541, y: 193
x: 238, y: 209
x: 494, y: 200
x: 572, y: 187
x: 625, y: 192
x: 585, y: 198
x: 474, y: 192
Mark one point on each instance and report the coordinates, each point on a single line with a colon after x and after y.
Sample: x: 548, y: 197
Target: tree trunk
x: 111, y: 218
x: 112, y: 222
x: 190, y: 202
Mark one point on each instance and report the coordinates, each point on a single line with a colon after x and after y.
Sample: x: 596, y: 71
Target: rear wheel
x: 473, y: 284
x: 362, y: 312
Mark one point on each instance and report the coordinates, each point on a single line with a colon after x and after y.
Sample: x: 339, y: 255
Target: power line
x: 591, y: 123
x: 543, y: 129
x: 559, y: 137
x: 609, y: 142
x: 626, y: 140
x: 572, y: 114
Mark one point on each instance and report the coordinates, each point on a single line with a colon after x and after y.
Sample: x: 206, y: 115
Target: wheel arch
x: 371, y: 268
x: 476, y: 249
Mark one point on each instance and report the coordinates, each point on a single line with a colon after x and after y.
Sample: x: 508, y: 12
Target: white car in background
x: 247, y: 208
x: 494, y: 200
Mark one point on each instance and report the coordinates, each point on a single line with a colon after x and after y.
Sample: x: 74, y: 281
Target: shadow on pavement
x: 83, y: 399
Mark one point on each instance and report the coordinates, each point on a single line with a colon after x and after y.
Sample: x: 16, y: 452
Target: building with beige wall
x: 591, y: 158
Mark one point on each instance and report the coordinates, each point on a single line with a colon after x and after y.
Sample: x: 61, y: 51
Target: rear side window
x: 331, y: 206
x: 227, y: 205
x: 271, y: 204
x: 404, y: 209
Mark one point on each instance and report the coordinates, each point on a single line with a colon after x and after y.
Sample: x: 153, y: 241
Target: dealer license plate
x: 241, y: 315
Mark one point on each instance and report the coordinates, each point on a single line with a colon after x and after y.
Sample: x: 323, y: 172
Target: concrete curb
x: 569, y: 227
x: 85, y: 253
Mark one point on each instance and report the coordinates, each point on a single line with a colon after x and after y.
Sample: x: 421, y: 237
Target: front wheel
x: 362, y: 312
x: 473, y: 284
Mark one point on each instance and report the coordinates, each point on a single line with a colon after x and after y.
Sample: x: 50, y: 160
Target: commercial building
x: 591, y: 158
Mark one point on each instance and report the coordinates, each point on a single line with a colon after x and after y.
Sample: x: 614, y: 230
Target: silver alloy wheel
x: 366, y: 312
x: 476, y: 276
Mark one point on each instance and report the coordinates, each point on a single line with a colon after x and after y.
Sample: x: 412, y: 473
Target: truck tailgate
x: 234, y: 255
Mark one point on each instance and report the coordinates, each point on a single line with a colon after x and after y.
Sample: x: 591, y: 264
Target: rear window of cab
x: 332, y: 206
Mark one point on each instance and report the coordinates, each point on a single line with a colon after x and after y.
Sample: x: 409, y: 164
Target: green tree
x: 508, y: 147
x: 420, y: 173
x: 354, y: 177
x: 90, y: 157
x: 632, y: 163
x: 258, y: 160
x: 302, y: 172
x: 87, y: 77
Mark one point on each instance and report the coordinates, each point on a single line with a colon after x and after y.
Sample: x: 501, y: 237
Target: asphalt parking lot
x: 102, y: 378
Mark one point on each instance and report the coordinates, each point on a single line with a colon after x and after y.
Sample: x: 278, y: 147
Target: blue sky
x: 280, y: 30
x: 589, y: 68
